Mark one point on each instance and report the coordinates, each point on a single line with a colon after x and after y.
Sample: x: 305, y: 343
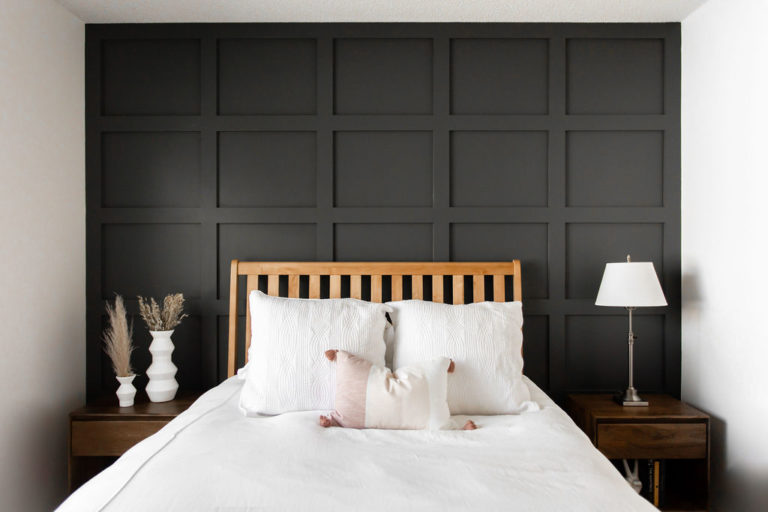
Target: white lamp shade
x: 631, y: 284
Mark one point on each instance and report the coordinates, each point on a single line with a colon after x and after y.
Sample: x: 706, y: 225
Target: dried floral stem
x: 118, y: 338
x: 165, y: 318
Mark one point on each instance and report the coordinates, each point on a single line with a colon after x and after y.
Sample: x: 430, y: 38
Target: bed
x: 212, y: 457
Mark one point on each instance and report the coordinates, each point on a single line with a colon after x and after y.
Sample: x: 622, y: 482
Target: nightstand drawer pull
x: 109, y: 438
x: 652, y: 440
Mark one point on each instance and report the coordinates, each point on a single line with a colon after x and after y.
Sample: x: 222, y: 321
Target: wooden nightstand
x: 668, y: 431
x: 101, y: 431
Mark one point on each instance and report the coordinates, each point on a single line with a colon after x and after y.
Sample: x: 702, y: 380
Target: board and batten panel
x: 479, y: 67
x: 267, y: 76
x: 382, y: 76
x: 558, y: 144
x: 147, y: 76
x: 382, y: 168
x: 615, y: 76
x: 499, y: 168
x: 267, y: 168
x: 150, y: 169
x: 615, y: 168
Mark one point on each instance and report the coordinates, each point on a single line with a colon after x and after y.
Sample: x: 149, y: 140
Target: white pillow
x: 485, y: 341
x: 287, y: 370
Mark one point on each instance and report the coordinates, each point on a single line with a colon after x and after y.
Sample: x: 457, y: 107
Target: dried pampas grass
x: 118, y: 338
x: 165, y: 318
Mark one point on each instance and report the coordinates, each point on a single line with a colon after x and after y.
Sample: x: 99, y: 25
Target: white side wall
x: 725, y: 229
x: 42, y: 247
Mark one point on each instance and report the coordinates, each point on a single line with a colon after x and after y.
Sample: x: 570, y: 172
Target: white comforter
x: 213, y: 458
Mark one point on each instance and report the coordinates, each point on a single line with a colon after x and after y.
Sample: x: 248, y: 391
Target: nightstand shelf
x: 667, y: 430
x: 101, y: 431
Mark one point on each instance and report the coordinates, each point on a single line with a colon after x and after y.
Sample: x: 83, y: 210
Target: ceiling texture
x: 209, y: 11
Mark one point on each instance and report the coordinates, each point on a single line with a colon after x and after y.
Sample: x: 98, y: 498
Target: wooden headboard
x: 437, y: 273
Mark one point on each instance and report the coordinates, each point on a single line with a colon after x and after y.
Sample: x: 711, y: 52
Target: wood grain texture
x: 661, y: 408
x: 517, y: 282
x: 293, y: 286
x: 273, y: 285
x: 376, y: 292
x: 344, y: 268
x: 110, y: 438
x: 335, y: 286
x: 314, y: 287
x: 397, y: 287
x: 232, y: 334
x: 417, y: 287
x: 355, y: 287
x: 251, y: 284
x: 667, y: 429
x: 498, y: 288
x: 652, y: 440
x: 107, y: 408
x: 437, y: 288
x: 478, y: 288
x: 458, y: 289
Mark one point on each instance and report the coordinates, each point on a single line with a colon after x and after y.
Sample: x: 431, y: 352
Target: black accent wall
x: 558, y: 144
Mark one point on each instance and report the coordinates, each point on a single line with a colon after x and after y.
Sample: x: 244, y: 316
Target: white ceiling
x: 172, y: 11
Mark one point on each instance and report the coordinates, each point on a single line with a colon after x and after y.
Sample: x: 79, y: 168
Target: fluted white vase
x: 162, y: 385
x: 126, y: 392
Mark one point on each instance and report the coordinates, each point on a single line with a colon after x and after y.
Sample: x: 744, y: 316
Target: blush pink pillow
x: 369, y: 396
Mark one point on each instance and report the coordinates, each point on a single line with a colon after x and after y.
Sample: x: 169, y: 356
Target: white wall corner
x: 42, y: 247
x: 724, y: 241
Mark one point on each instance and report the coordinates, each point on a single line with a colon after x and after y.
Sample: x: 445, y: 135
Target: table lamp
x: 630, y: 285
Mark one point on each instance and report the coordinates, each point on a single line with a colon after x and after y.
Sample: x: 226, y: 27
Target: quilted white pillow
x: 284, y: 370
x: 485, y: 341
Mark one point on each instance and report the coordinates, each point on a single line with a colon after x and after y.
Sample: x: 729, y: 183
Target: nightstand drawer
x: 110, y: 438
x: 652, y: 440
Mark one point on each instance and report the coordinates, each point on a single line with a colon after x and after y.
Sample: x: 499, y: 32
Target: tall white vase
x: 162, y: 385
x: 126, y: 392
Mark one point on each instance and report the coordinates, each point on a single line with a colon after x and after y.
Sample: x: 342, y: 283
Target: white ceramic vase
x: 162, y: 385
x: 126, y: 392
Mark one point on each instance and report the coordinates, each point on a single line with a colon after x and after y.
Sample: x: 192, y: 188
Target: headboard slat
x: 498, y: 288
x: 458, y: 289
x: 517, y: 284
x: 356, y: 270
x: 375, y: 288
x: 437, y: 288
x: 293, y: 286
x: 478, y: 288
x: 251, y: 283
x: 417, y: 287
x: 355, y: 287
x: 314, y: 287
x: 233, y: 293
x: 273, y: 285
x: 397, y: 287
x: 335, y: 286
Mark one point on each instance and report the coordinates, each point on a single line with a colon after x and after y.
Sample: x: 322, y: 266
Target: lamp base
x: 630, y: 398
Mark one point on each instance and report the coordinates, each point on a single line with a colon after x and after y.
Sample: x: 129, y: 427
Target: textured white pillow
x: 287, y: 370
x: 485, y: 341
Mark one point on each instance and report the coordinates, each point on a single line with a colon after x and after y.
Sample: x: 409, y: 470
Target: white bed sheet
x: 213, y: 458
